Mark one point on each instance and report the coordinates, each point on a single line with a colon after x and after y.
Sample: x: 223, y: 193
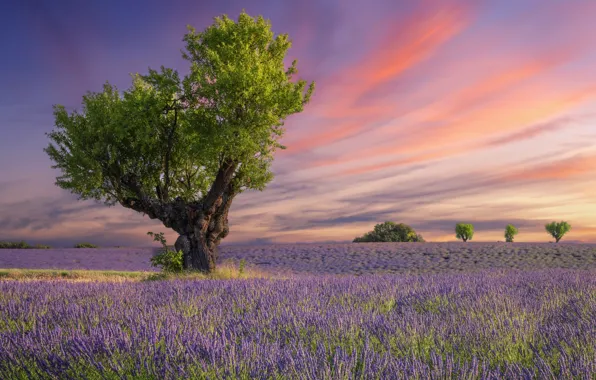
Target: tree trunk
x: 199, y: 243
x: 197, y: 254
x: 201, y: 224
x: 201, y: 257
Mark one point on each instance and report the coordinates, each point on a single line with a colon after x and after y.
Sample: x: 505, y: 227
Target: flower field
x: 491, y: 324
x: 413, y: 310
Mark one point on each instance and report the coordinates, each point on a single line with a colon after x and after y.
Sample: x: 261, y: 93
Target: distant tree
x: 85, y: 245
x: 14, y: 245
x: 510, y: 231
x: 180, y: 150
x: 557, y: 230
x: 390, y: 232
x: 464, y: 231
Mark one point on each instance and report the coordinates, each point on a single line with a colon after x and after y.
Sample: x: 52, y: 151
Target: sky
x: 427, y: 113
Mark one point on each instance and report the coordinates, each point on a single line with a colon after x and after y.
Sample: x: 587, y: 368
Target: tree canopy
x: 510, y: 232
x: 464, y: 231
x: 557, y: 230
x: 390, y: 232
x: 179, y: 149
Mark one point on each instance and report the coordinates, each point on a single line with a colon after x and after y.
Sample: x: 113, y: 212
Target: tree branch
x: 222, y: 181
x: 218, y: 226
x: 165, y: 193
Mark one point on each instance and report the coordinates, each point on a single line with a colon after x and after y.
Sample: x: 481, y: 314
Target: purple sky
x: 426, y: 112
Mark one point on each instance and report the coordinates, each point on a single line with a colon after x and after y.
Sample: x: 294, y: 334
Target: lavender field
x: 488, y: 325
x: 342, y: 259
x: 343, y: 311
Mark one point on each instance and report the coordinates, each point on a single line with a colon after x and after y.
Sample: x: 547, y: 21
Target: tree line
x: 392, y: 232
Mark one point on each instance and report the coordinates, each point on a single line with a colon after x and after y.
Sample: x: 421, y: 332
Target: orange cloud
x: 572, y: 167
x: 323, y: 138
x: 506, y: 116
x: 484, y: 90
x: 399, y: 162
x: 525, y: 107
x: 402, y: 47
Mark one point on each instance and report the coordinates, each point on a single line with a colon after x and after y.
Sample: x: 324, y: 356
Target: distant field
x: 341, y: 259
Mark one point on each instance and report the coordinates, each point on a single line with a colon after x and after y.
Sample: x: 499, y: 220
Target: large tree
x: 180, y: 150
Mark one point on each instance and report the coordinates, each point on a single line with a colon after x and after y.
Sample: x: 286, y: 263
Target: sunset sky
x: 426, y: 112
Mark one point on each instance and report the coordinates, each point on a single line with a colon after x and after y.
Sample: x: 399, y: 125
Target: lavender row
x: 487, y: 325
x: 353, y: 259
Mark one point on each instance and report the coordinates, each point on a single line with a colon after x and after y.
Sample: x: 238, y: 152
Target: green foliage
x: 557, y: 230
x: 241, y: 267
x: 85, y: 245
x: 167, y: 136
x: 464, y: 231
x: 168, y: 260
x: 390, y: 232
x: 21, y: 245
x: 510, y: 232
x: 14, y: 245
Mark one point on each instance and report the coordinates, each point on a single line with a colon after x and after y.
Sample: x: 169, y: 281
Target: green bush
x: 85, y: 245
x: 390, y: 232
x: 464, y: 231
x: 14, y: 245
x: 241, y: 267
x: 557, y: 230
x: 168, y: 260
x: 510, y: 232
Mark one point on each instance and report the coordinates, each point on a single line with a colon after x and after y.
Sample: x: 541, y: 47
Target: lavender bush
x: 492, y: 324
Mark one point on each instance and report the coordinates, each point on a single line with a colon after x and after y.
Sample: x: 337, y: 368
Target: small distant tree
x: 557, y: 230
x: 510, y: 232
x: 464, y: 231
x: 390, y: 232
x: 85, y: 245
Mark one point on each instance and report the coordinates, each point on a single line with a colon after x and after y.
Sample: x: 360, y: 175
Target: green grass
x: 223, y: 272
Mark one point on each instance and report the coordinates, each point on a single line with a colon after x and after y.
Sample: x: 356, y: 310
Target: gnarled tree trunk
x: 201, y: 225
x: 199, y: 244
x: 208, y: 224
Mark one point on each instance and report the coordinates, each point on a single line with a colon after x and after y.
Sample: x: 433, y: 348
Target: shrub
x: 14, y: 245
x: 557, y: 230
x: 168, y: 260
x: 390, y: 232
x: 464, y: 231
x: 510, y: 231
x: 85, y: 245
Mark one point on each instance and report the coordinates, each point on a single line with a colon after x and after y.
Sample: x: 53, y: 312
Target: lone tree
x: 390, y: 232
x: 464, y: 231
x: 180, y: 150
x: 557, y: 230
x: 510, y: 232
